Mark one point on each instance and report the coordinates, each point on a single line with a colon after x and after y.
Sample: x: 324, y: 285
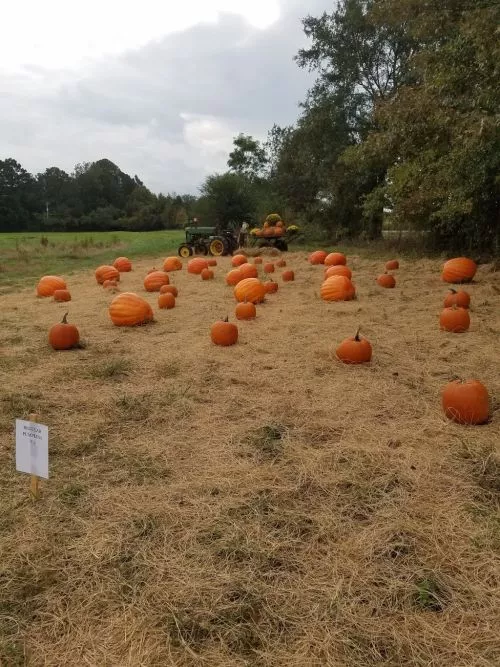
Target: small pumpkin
x: 459, y: 270
x: 123, y: 264
x: 169, y: 289
x: 269, y: 267
x: 288, y: 276
x: 106, y: 272
x: 251, y: 290
x: 335, y: 259
x: 354, y: 350
x: 270, y: 286
x: 248, y: 270
x: 454, y: 298
x: 245, y: 311
x: 166, y: 300
x: 64, y: 336
x: 110, y: 284
x: 318, y: 257
x: 172, y: 264
x: 238, y: 260
x: 386, y: 280
x: 129, y: 310
x: 49, y: 284
x: 338, y: 270
x: 212, y: 262
x: 224, y: 333
x: 197, y: 265
x: 154, y: 281
x: 337, y: 288
x: 257, y: 260
x: 392, y: 265
x: 207, y: 274
x: 233, y: 277
x: 281, y: 263
x: 62, y: 295
x: 454, y: 319
x: 466, y: 402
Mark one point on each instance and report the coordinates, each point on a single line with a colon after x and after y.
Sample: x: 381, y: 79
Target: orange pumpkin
x: 318, y: 257
x: 129, y: 310
x: 207, y: 274
x: 169, y: 289
x: 354, y: 350
x: 338, y: 270
x: 386, y: 280
x: 248, y: 270
x: 257, y: 260
x: 110, y: 284
x: 245, y: 311
x: 62, y: 295
x: 172, y: 264
x: 166, y: 300
x: 154, y: 281
x: 466, y: 402
x: 251, y: 290
x: 197, y: 265
x: 212, y: 262
x: 238, y: 260
x: 392, y: 265
x: 337, y: 288
x: 269, y: 267
x: 224, y: 333
x: 454, y: 319
x: 271, y: 286
x: 49, y: 284
x: 233, y: 277
x: 454, y: 298
x: 64, y: 336
x: 459, y: 270
x: 335, y: 259
x: 288, y: 276
x: 281, y: 263
x: 106, y: 272
x: 123, y: 264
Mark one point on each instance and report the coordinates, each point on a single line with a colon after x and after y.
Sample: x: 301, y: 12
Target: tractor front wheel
x: 185, y: 250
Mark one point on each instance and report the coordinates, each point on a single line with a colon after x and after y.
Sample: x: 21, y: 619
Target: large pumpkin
x: 335, y: 259
x: 466, y: 402
x: 248, y: 270
x: 172, y: 264
x: 62, y: 295
x: 154, y: 281
x: 251, y: 290
x: 238, y: 260
x: 197, y: 265
x: 129, y: 310
x: 459, y: 270
x: 123, y: 264
x: 49, y: 284
x: 338, y: 270
x: 233, y: 277
x: 318, y: 257
x: 337, y: 288
x: 106, y: 272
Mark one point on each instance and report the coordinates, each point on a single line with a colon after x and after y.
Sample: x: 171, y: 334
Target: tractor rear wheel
x: 217, y: 247
x: 185, y: 250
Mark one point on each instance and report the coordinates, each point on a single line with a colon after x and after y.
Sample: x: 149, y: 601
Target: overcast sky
x: 160, y: 87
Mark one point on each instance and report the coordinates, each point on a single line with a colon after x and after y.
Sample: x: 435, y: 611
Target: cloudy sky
x: 158, y: 86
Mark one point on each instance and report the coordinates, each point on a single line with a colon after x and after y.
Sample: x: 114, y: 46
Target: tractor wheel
x: 217, y: 247
x: 281, y: 245
x: 185, y: 250
x: 200, y: 248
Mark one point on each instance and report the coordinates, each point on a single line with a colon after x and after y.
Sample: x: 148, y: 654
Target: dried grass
x: 256, y: 505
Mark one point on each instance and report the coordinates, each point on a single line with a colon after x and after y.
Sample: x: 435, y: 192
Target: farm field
x: 254, y: 505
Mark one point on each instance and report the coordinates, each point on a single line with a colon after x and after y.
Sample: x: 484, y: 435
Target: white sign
x: 32, y: 448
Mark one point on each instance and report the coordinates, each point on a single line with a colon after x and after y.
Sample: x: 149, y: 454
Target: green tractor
x: 208, y: 241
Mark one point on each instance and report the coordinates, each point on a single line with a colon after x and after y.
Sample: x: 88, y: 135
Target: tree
x: 248, y: 158
x: 230, y: 197
x: 20, y: 201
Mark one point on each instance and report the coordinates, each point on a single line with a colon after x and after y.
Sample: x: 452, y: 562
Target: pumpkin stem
x: 356, y: 337
x: 64, y: 320
x: 226, y: 319
x: 453, y: 291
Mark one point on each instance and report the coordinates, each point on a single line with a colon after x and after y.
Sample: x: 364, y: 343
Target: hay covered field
x: 257, y: 505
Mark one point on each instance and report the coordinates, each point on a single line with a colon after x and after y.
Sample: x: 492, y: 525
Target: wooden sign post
x: 32, y: 451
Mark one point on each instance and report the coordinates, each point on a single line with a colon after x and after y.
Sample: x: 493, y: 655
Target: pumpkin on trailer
x: 62, y: 295
x: 386, y: 280
x: 233, y: 277
x: 288, y: 276
x: 338, y: 270
x: 197, y: 265
x: 281, y: 263
x: 172, y: 264
x: 251, y: 290
x: 459, y: 270
x: 335, y: 259
x: 154, y: 281
x: 270, y: 286
x: 257, y: 260
x: 466, y: 402
x: 318, y: 257
x: 166, y: 300
x: 269, y: 267
x: 454, y: 298
x: 224, y: 333
x: 245, y: 311
x: 123, y: 264
x: 392, y: 265
x: 207, y: 274
x: 49, y: 284
x: 354, y: 350
x: 106, y: 272
x: 64, y: 336
x: 454, y: 319
x: 337, y: 288
x: 248, y: 270
x: 169, y: 289
x: 212, y: 262
x: 129, y: 310
x: 238, y: 260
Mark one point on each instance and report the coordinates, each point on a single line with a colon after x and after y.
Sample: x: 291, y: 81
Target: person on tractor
x: 242, y: 236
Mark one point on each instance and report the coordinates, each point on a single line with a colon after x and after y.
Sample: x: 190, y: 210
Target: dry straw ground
x: 255, y: 505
